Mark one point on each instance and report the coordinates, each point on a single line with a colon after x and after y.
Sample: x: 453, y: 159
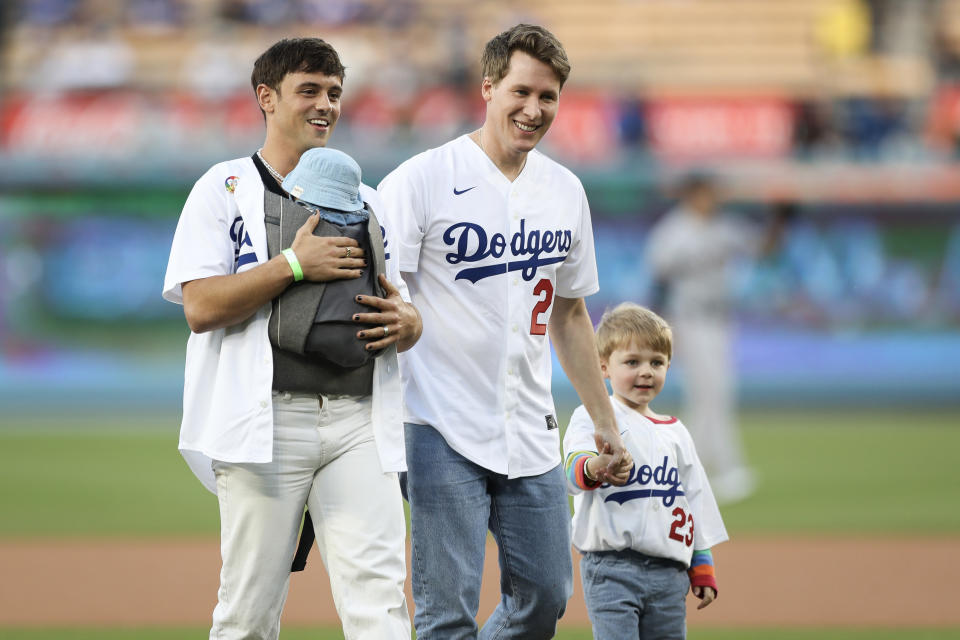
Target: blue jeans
x: 453, y: 502
x: 630, y: 595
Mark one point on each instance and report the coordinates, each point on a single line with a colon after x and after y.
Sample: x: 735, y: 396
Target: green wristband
x: 294, y: 264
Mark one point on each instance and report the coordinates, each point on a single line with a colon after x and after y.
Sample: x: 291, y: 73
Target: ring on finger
x: 386, y: 331
x: 348, y: 252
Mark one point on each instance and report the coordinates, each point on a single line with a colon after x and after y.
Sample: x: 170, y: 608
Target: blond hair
x: 628, y: 322
x: 531, y: 39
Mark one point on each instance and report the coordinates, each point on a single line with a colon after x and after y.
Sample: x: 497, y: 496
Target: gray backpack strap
x: 377, y: 248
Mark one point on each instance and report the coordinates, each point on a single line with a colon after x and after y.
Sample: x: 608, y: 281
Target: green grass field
x: 876, y: 473
x: 827, y: 472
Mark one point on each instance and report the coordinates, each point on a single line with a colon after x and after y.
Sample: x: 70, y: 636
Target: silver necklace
x: 276, y: 174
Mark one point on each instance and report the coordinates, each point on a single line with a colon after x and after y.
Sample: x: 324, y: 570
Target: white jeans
x: 324, y: 456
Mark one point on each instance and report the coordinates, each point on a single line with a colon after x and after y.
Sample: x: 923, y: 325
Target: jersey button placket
x: 515, y: 298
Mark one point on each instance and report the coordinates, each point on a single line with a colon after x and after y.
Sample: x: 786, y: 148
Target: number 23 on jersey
x: 682, y: 520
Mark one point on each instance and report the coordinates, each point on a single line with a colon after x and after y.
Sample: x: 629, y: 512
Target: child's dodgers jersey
x: 666, y: 509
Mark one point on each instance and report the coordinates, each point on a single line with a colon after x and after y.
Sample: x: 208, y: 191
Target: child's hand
x: 617, y: 460
x: 605, y: 467
x: 598, y: 467
x: 706, y: 595
x: 619, y: 474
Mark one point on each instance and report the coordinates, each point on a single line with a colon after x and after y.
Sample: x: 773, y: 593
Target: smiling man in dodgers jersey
x: 496, y: 246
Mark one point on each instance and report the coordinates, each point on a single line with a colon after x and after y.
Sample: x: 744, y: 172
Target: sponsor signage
x: 698, y: 128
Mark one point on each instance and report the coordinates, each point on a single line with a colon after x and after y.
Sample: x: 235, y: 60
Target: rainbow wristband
x: 575, y: 466
x: 294, y: 264
x: 701, y: 571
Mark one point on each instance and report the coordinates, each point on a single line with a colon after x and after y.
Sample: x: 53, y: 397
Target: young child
x: 645, y: 543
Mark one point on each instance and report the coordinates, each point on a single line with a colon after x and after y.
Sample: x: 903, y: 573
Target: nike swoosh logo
x: 456, y: 193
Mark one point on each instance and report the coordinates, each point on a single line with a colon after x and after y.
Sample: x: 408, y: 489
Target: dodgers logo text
x: 471, y: 243
x: 664, y: 478
x: 241, y: 239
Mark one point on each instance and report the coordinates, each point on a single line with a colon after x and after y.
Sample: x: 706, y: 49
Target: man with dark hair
x: 307, y: 55
x: 496, y: 246
x: 270, y: 424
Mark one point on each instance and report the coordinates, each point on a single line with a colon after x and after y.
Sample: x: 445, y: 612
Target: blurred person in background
x: 269, y: 429
x: 690, y: 252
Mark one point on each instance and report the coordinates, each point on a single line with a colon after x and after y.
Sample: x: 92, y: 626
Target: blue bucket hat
x: 326, y: 178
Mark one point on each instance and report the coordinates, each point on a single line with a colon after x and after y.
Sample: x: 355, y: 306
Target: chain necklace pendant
x: 276, y: 174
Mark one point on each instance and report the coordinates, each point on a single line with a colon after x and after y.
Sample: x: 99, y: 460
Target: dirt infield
x: 763, y: 581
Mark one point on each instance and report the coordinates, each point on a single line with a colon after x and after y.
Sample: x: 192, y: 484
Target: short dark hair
x: 292, y: 55
x: 531, y: 39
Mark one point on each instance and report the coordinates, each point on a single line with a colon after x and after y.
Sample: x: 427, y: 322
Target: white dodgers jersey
x: 666, y: 509
x: 484, y: 258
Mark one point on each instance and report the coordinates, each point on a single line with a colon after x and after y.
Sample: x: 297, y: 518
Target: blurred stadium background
x: 847, y: 109
x: 851, y: 109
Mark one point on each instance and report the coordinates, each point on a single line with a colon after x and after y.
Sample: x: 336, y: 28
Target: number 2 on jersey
x: 544, y: 288
x: 681, y: 521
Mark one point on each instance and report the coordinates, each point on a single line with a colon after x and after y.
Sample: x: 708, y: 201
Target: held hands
x: 616, y: 471
x: 706, y: 595
x: 327, y: 258
x: 398, y: 321
x: 600, y: 463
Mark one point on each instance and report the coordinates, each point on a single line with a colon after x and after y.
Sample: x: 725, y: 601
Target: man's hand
x: 571, y: 333
x: 399, y: 320
x: 600, y: 462
x: 324, y: 258
x: 618, y: 469
x: 706, y: 595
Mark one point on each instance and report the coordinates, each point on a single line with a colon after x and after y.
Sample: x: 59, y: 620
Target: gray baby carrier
x: 313, y: 320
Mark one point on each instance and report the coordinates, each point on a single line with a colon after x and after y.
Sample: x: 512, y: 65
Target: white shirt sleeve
x: 708, y: 529
x: 577, y: 276
x: 579, y: 437
x: 202, y: 244
x: 405, y: 195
